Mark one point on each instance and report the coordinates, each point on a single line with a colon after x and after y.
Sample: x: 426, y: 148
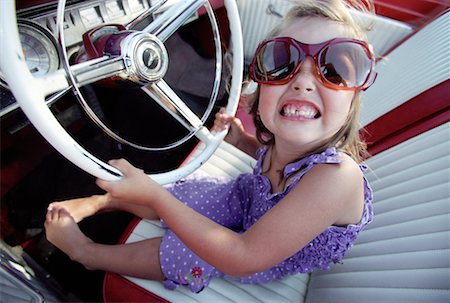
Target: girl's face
x: 303, y: 114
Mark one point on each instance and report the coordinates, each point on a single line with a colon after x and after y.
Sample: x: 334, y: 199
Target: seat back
x: 404, y: 255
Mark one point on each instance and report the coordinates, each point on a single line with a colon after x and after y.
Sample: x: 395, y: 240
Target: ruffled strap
x: 297, y: 169
x: 330, y: 155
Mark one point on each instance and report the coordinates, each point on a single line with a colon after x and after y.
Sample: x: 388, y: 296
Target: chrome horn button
x: 146, y: 57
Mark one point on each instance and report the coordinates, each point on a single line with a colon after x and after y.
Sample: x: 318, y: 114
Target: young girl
x: 304, y: 204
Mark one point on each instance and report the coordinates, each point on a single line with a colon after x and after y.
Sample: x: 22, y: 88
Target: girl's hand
x: 224, y: 121
x: 135, y: 186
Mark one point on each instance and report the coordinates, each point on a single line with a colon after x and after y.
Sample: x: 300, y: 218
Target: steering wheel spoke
x: 163, y: 94
x: 98, y: 69
x: 56, y: 83
x: 173, y: 18
x: 53, y: 83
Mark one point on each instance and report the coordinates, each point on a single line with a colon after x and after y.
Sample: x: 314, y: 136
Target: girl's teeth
x: 303, y: 111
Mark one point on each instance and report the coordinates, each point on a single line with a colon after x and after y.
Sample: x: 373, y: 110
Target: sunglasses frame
x: 314, y: 51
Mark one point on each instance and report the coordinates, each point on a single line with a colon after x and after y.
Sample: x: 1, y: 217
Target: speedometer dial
x: 41, y: 55
x: 39, y: 48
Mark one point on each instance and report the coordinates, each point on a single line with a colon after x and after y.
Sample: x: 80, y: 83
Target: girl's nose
x: 305, y: 79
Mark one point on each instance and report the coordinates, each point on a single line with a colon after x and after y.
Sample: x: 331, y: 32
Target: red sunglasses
x: 341, y: 63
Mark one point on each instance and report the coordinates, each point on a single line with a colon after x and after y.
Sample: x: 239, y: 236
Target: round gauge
x: 39, y: 48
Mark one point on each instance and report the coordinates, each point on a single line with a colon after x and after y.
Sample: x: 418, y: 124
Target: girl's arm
x: 237, y: 135
x: 328, y: 194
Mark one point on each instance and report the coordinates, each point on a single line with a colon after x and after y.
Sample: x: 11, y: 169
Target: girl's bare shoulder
x: 337, y: 188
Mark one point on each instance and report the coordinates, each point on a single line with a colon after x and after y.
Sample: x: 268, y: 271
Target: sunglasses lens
x: 275, y: 62
x: 345, y: 64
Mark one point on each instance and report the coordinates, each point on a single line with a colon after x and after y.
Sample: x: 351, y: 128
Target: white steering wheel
x: 30, y: 92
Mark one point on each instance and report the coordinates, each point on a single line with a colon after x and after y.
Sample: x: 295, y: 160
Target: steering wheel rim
x: 30, y: 93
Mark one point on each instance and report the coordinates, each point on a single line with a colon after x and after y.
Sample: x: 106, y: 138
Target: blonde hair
x: 348, y: 138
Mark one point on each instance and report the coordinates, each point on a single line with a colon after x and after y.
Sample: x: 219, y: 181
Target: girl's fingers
x: 221, y: 122
x: 223, y: 118
x: 121, y: 164
x: 237, y: 122
x: 125, y: 167
x: 105, y: 185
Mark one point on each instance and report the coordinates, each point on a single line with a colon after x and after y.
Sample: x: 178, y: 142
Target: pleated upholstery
x: 404, y: 255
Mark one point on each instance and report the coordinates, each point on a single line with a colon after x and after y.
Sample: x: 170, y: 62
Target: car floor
x: 57, y: 179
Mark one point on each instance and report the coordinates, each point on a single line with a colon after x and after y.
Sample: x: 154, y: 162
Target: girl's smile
x: 295, y: 109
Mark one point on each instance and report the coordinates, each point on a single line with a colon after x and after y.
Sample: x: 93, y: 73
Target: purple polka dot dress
x: 238, y: 204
